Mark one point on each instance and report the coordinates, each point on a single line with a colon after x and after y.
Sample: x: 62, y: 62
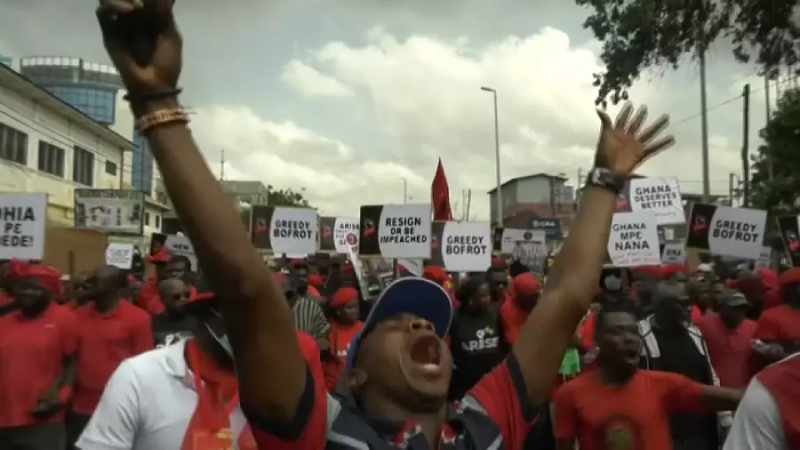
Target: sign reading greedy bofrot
x: 292, y: 231
x: 396, y: 231
x: 462, y: 247
x: 724, y: 231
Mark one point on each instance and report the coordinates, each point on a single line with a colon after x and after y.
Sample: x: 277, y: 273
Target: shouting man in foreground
x: 400, y: 367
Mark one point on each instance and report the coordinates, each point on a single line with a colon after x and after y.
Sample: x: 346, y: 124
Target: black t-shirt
x: 477, y: 346
x: 167, y: 330
x: 679, y: 354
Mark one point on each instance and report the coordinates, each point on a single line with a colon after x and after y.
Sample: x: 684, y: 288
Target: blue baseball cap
x: 413, y: 295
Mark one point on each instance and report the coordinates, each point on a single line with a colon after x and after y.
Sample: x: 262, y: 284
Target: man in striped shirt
x: 308, y: 315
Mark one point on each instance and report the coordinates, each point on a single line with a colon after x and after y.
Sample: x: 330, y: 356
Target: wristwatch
x: 606, y: 179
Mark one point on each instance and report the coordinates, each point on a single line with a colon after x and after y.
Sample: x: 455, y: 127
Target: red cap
x: 791, y: 276
x: 48, y: 277
x: 499, y: 263
x: 343, y: 297
x: 316, y: 280
x: 436, y: 274
x: 160, y: 257
x: 526, y: 284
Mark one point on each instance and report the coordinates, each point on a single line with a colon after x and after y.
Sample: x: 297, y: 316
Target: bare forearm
x: 257, y: 316
x: 721, y: 399
x: 567, y: 294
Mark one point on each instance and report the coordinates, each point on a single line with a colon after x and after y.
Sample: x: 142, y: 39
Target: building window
x: 51, y: 159
x: 158, y: 222
x: 146, y: 219
x: 13, y: 144
x: 111, y: 168
x: 83, y: 166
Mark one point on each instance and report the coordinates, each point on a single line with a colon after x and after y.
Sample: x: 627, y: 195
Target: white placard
x: 119, y: 255
x: 513, y: 237
x: 413, y: 266
x: 109, y: 210
x: 179, y: 245
x: 22, y: 226
x: 634, y: 240
x: 405, y: 231
x: 466, y: 246
x: 674, y: 253
x: 737, y: 232
x: 659, y: 196
x: 345, y: 234
x: 764, y: 259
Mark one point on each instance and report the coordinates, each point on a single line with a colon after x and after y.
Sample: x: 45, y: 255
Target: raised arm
x: 574, y: 277
x: 143, y: 41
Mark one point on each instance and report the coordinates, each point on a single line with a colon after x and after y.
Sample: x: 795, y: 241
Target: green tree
x: 639, y: 34
x: 781, y: 195
x: 286, y: 197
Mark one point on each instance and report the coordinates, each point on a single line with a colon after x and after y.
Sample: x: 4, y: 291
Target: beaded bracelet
x: 161, y: 117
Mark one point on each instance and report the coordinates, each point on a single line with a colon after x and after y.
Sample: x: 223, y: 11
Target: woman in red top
x: 344, y: 327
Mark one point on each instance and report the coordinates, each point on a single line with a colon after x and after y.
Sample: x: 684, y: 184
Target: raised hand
x: 622, y: 146
x: 143, y: 42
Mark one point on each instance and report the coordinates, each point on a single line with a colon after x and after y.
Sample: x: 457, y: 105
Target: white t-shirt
x: 757, y: 424
x: 147, y: 404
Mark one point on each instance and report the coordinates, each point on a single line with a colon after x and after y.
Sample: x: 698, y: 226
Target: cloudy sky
x: 346, y: 99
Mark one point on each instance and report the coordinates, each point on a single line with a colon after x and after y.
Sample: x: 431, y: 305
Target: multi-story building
x: 5, y: 60
x: 47, y: 145
x: 95, y: 90
x: 253, y: 193
x: 529, y: 199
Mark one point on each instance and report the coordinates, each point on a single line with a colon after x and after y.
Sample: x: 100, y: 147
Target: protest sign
x: 109, y: 210
x: 181, y: 245
x: 634, y: 240
x: 22, y: 223
x: 358, y: 268
x: 659, y: 196
x: 462, y: 247
x: 551, y: 228
x: 790, y: 232
x: 293, y: 231
x: 413, y: 266
x: 514, y: 237
x: 338, y: 233
x: 764, y: 259
x: 725, y: 231
x: 119, y: 255
x: 532, y: 254
x: 674, y: 253
x: 396, y: 231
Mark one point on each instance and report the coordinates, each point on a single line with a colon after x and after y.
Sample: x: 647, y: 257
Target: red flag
x: 440, y: 195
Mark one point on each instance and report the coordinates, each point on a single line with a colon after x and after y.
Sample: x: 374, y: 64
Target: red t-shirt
x: 512, y: 318
x: 32, y: 353
x: 104, y: 341
x: 5, y: 299
x: 501, y: 394
x: 780, y: 324
x: 634, y: 416
x: 149, y: 298
x: 340, y: 336
x: 730, y: 350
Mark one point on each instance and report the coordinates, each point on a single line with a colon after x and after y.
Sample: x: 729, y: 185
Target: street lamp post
x: 405, y: 191
x: 497, y: 156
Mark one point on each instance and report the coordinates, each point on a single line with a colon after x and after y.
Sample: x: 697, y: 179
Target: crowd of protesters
x: 237, y: 354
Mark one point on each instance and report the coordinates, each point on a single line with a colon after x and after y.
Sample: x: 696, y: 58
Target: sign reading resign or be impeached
x: 22, y: 226
x: 396, y: 231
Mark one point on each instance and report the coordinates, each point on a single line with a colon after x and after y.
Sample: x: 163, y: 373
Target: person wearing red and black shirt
x: 111, y: 329
x: 37, y: 361
x: 781, y: 324
x: 620, y: 406
x: 344, y: 328
x: 729, y: 336
x: 525, y: 290
x: 167, y: 267
x: 400, y: 366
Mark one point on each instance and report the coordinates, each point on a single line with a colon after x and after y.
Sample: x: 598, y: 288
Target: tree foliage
x: 639, y: 34
x: 781, y: 195
x: 286, y: 197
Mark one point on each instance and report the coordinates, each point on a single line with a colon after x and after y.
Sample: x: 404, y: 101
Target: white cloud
x: 311, y: 83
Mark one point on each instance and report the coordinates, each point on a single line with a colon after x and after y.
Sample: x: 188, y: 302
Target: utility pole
x: 731, y: 187
x: 770, y: 169
x: 704, y: 124
x: 222, y: 166
x: 469, y: 202
x: 746, y: 145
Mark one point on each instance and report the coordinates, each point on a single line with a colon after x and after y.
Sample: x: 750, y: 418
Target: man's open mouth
x: 426, y: 353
